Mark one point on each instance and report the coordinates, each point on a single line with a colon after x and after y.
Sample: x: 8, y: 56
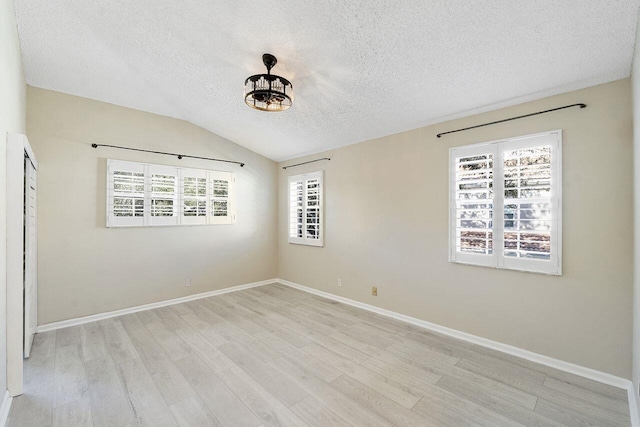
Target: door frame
x: 17, y: 147
x: 30, y: 253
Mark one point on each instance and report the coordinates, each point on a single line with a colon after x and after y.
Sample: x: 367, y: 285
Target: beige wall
x: 12, y: 119
x: 85, y: 268
x: 387, y: 225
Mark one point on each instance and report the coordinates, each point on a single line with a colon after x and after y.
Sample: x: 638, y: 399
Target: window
x: 154, y: 195
x: 305, y: 209
x: 505, y: 203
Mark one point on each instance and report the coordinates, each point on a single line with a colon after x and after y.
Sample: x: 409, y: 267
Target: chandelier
x: 268, y: 92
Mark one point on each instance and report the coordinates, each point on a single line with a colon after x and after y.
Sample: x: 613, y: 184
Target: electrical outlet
x: 339, y: 282
x: 374, y: 291
x: 187, y: 282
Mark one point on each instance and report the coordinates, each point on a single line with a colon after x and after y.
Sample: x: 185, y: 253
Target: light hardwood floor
x: 276, y: 356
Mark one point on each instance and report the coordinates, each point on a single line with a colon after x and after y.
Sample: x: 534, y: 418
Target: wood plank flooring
x: 276, y: 356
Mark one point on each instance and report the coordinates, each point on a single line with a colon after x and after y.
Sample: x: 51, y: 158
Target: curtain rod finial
x: 94, y: 145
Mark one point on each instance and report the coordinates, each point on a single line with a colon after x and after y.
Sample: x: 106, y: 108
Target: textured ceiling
x: 360, y: 69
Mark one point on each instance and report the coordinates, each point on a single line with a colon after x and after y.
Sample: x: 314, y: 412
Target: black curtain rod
x: 512, y: 118
x: 304, y: 163
x: 179, y: 156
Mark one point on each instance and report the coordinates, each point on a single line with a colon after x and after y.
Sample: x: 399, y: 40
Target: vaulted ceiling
x: 360, y: 69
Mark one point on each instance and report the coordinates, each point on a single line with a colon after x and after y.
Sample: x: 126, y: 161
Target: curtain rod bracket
x: 581, y: 105
x: 179, y: 156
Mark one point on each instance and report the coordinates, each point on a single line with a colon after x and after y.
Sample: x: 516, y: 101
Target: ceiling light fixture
x: 268, y: 92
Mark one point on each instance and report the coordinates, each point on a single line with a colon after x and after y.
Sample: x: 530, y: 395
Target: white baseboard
x: 4, y: 409
x: 109, y: 314
x: 591, y: 374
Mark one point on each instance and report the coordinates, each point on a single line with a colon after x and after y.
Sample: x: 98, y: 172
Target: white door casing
x: 17, y: 148
x: 31, y: 256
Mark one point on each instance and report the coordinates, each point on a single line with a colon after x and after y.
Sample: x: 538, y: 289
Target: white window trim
x: 179, y: 219
x: 319, y: 175
x: 497, y: 259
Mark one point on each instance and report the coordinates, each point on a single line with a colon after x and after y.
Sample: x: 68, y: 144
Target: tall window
x: 141, y: 194
x: 306, y: 209
x: 505, y: 203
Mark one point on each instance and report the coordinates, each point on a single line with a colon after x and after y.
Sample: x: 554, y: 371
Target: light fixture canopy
x: 268, y: 92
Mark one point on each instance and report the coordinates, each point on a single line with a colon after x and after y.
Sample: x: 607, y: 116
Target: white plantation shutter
x: 154, y: 195
x: 194, y: 196
x: 532, y: 202
x: 125, y: 194
x: 313, y: 212
x: 506, y: 204
x: 296, y: 210
x: 221, y: 206
x: 163, y: 200
x: 306, y: 209
x: 472, y: 205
